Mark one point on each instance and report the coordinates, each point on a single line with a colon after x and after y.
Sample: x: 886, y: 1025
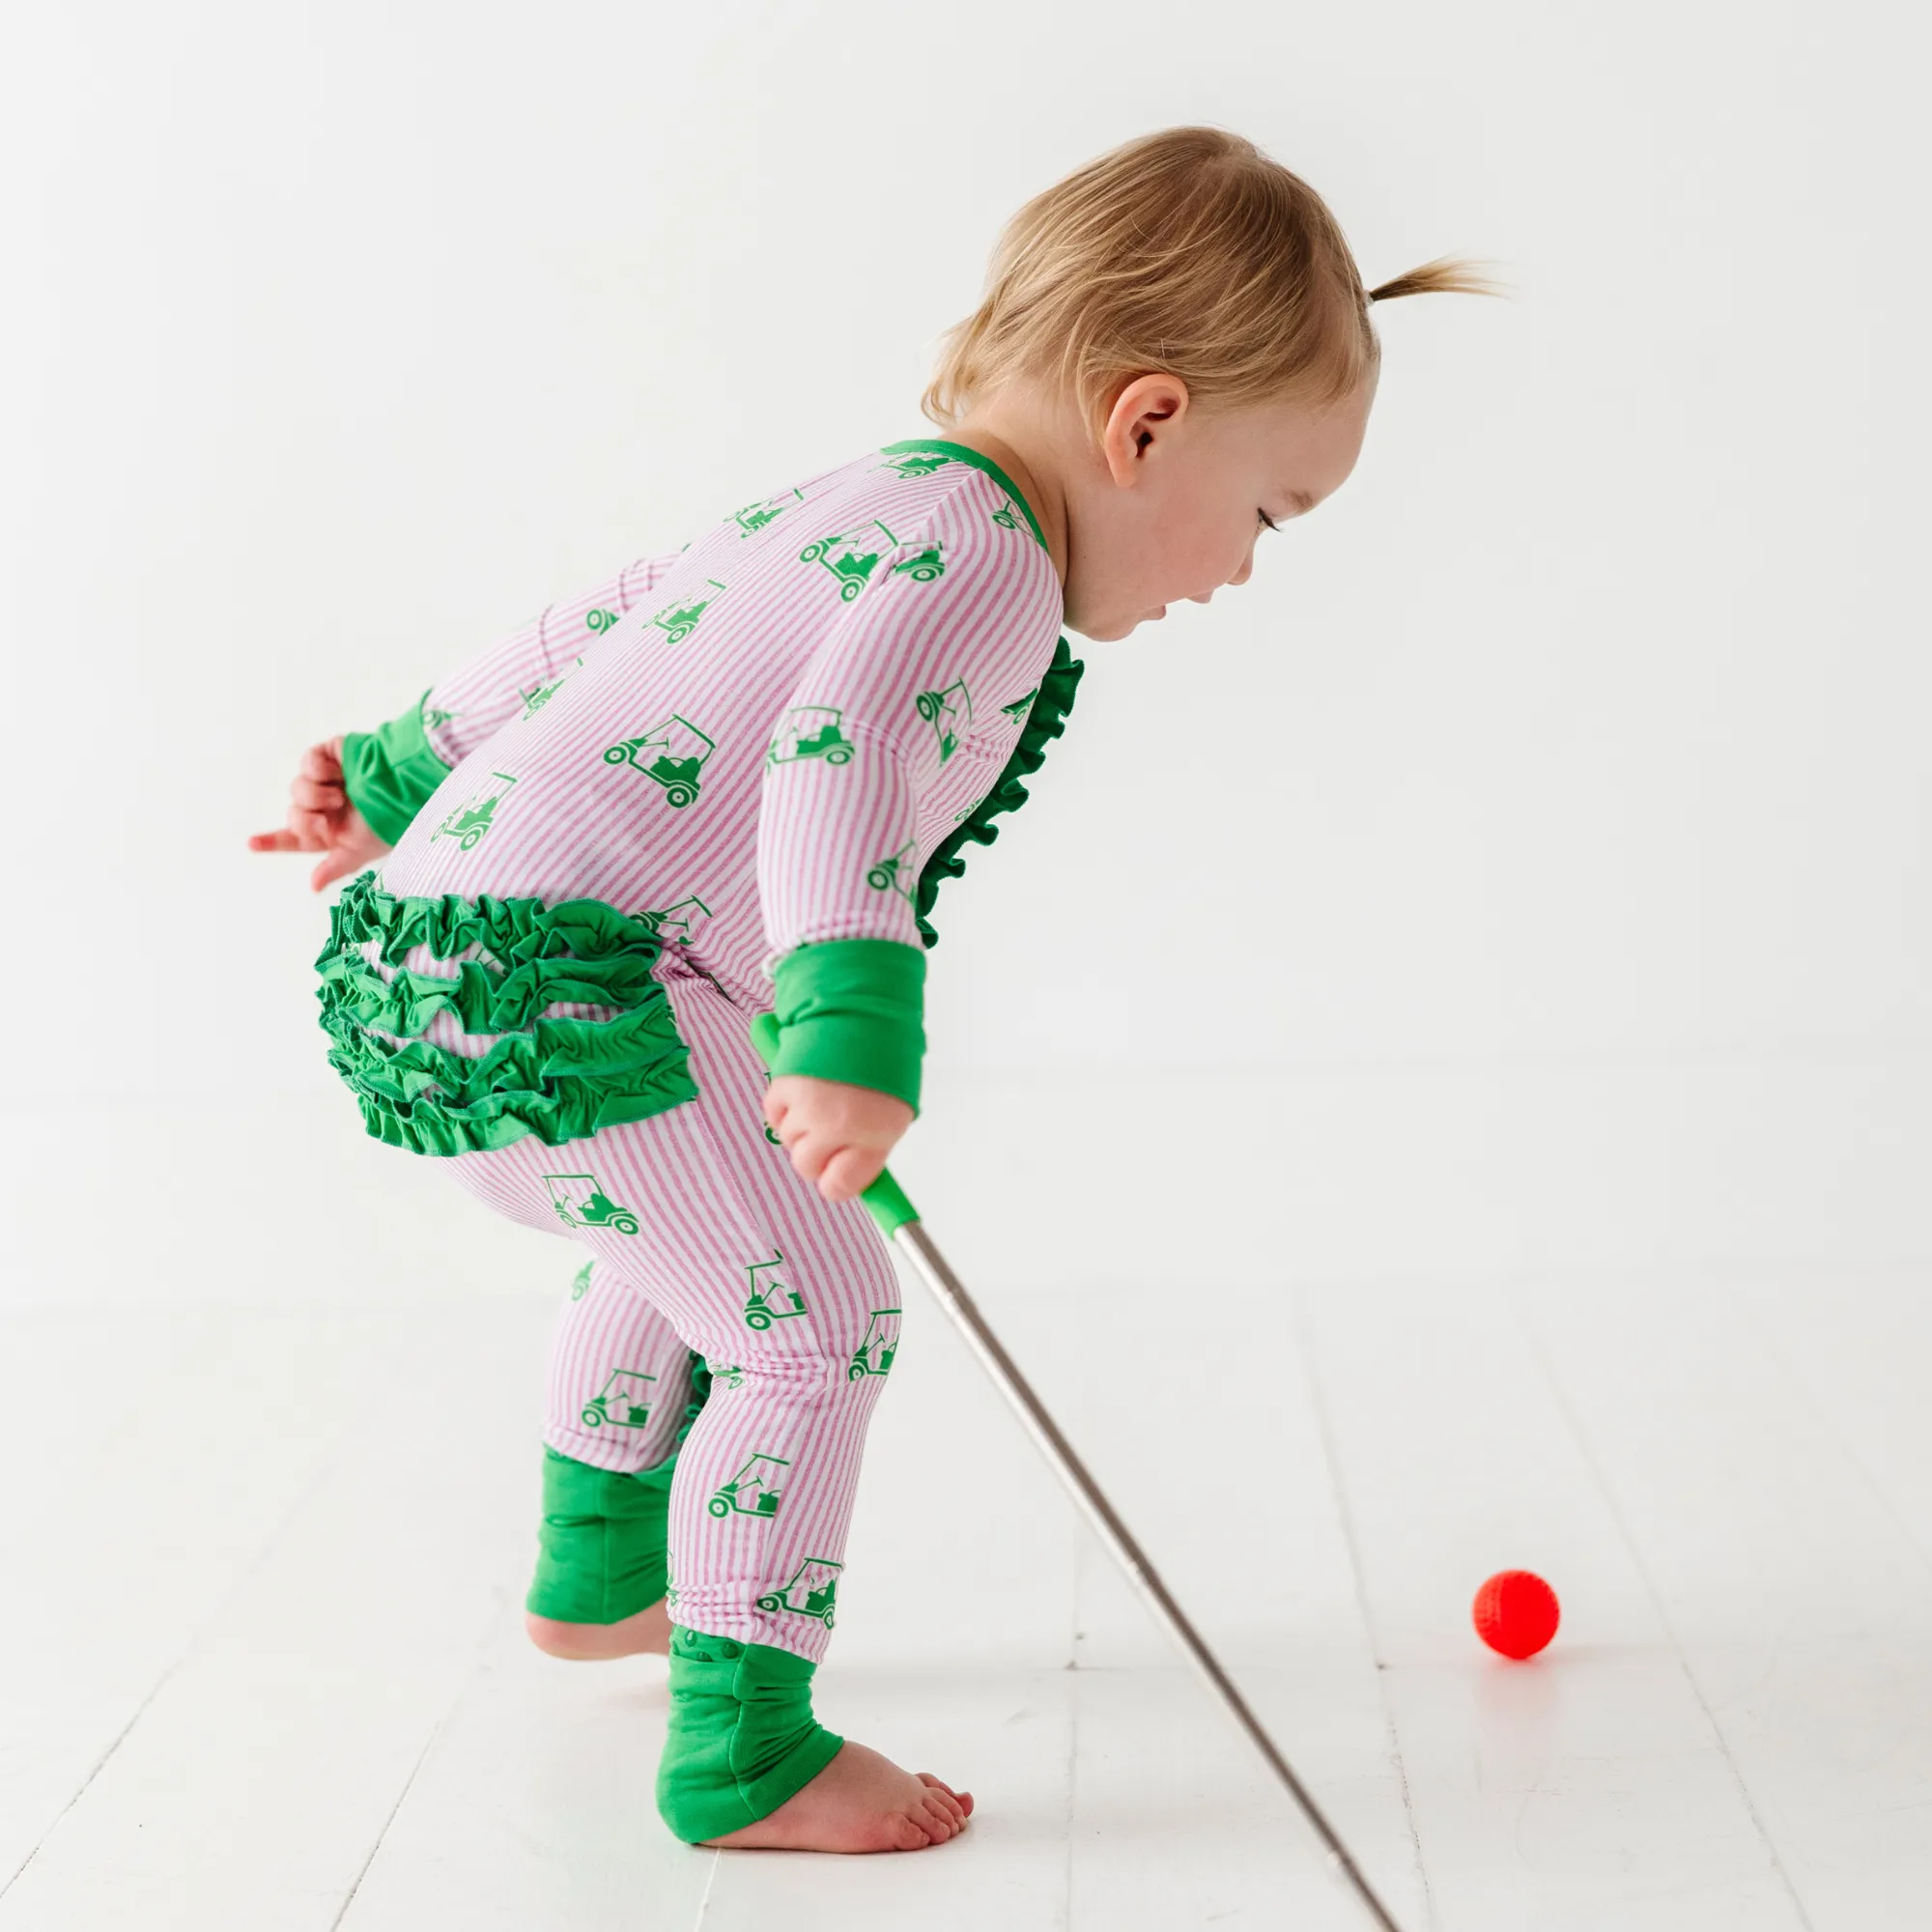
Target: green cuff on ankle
x: 741, y: 1738
x: 602, y: 1550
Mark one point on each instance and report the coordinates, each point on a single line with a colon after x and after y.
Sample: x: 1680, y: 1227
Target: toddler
x: 729, y: 780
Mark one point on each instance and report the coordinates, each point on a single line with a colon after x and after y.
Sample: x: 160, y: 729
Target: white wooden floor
x: 261, y: 1665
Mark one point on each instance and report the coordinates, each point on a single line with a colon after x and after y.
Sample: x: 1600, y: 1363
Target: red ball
x: 1516, y: 1612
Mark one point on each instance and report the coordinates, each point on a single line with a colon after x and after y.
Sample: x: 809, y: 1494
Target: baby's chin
x: 1111, y: 627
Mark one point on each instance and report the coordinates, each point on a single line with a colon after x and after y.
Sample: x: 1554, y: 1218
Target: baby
x: 728, y: 780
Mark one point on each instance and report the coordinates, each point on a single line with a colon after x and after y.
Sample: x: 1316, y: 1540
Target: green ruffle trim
x: 559, y: 1079
x: 1045, y: 722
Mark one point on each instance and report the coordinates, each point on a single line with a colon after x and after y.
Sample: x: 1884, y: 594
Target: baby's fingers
x: 338, y: 865
x: 312, y: 794
x: 324, y: 760
x: 849, y: 1172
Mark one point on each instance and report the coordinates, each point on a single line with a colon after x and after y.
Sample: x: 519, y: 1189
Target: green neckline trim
x: 960, y: 453
x: 1045, y: 722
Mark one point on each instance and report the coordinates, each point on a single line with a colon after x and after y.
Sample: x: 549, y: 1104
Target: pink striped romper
x: 726, y: 782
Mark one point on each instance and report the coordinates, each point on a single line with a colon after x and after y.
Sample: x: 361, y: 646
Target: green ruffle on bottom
x: 560, y: 1079
x: 1045, y: 722
x: 741, y: 1738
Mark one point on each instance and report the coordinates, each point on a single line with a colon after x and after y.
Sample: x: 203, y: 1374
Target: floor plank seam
x: 1830, y: 1423
x: 478, y: 1665
x: 382, y: 1832
x: 1586, y: 1448
x: 710, y: 1880
x: 1346, y: 1518
x: 194, y: 1642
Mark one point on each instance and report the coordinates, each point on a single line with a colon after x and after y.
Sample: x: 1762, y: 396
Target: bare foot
x: 649, y: 1630
x: 861, y: 1801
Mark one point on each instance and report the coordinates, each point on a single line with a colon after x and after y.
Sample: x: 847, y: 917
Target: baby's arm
x: 866, y: 733
x: 353, y: 796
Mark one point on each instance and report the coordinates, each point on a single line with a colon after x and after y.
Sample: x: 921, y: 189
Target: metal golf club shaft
x: 951, y: 1292
x: 898, y: 1219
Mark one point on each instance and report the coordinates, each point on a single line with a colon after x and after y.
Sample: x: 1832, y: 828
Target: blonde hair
x: 1187, y: 251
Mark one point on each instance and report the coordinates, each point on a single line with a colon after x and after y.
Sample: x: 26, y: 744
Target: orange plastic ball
x: 1516, y: 1613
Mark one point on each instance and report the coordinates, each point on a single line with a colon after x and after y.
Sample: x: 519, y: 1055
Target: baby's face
x: 1172, y: 503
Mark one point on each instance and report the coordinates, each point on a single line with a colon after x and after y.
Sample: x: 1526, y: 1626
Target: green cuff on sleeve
x: 850, y: 1010
x: 389, y: 773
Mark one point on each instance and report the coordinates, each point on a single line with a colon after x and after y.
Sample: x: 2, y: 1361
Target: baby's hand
x: 322, y: 819
x: 837, y: 1136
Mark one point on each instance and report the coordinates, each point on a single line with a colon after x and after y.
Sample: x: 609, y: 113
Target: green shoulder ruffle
x: 1045, y: 722
x: 559, y: 1078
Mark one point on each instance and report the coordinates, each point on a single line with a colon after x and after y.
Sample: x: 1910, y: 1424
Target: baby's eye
x: 1268, y: 521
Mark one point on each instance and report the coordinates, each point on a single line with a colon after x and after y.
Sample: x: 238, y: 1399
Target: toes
x: 941, y: 1817
x: 948, y: 1807
x: 959, y: 1802
x: 906, y: 1835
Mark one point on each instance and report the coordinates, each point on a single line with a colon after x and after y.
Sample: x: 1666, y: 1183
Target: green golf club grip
x: 886, y: 1201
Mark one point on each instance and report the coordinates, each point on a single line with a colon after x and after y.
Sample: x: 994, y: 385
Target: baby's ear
x: 1145, y: 414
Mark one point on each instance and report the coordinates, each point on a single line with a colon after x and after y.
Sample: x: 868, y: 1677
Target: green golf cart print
x: 924, y: 567
x: 624, y: 1402
x: 468, y: 823
x: 851, y: 556
x: 597, y: 618
x: 811, y: 731
x: 756, y: 1490
x: 1007, y: 515
x: 948, y: 712
x: 754, y: 517
x: 1020, y: 707
x: 580, y: 1282
x: 770, y: 1300
x: 911, y: 466
x: 679, y: 619
x: 730, y: 1373
x: 899, y: 873
x: 434, y: 715
x: 540, y: 694
x: 678, y: 925
x: 671, y: 755
x: 877, y: 1346
x: 812, y: 1591
x: 580, y: 1203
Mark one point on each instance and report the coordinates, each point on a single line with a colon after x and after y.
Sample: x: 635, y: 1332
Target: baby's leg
x: 624, y: 1390
x: 795, y: 1306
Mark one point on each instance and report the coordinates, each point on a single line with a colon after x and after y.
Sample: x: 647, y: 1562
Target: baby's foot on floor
x: 861, y: 1801
x: 649, y: 1630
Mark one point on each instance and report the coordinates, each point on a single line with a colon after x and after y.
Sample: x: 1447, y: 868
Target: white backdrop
x: 1528, y: 868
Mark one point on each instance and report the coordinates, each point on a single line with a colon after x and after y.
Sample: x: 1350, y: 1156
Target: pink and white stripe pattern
x: 710, y: 1214
x: 765, y: 738
x: 681, y: 770
x: 619, y: 1376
